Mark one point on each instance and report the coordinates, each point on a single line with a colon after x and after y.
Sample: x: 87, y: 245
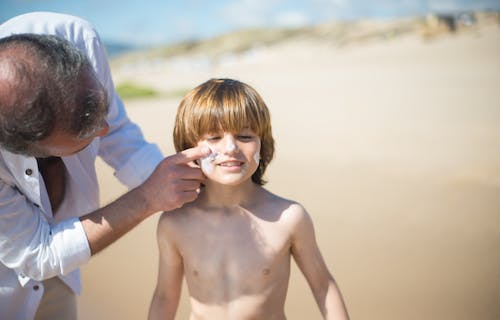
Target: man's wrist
x: 141, y: 197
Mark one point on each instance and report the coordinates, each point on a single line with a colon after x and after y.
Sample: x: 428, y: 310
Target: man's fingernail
x: 205, y: 149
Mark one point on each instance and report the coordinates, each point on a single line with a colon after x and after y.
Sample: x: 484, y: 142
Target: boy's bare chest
x: 241, y: 253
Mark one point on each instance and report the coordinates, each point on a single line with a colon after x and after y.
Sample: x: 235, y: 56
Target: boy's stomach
x: 245, y: 307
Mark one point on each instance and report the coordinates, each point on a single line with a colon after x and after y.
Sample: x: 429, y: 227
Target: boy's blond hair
x: 224, y: 105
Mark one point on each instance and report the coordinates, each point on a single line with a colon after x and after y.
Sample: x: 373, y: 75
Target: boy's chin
x: 227, y: 181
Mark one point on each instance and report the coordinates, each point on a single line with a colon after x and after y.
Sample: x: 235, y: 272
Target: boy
x: 233, y: 244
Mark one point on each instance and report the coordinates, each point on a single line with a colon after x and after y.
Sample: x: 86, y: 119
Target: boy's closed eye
x: 213, y: 138
x: 244, y: 138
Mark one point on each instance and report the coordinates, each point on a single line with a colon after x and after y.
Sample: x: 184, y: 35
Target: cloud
x: 449, y: 5
x: 339, y: 3
x: 292, y: 18
x: 248, y: 13
x: 459, y: 5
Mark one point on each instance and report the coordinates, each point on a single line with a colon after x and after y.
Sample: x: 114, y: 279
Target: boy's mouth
x: 231, y: 164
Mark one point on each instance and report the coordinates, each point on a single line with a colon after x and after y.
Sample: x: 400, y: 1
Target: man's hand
x: 175, y: 181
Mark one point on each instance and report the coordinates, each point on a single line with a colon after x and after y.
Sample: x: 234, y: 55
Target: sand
x: 394, y: 149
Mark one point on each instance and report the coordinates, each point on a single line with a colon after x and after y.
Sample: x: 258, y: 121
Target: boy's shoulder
x: 177, y: 216
x: 274, y: 199
x: 288, y: 209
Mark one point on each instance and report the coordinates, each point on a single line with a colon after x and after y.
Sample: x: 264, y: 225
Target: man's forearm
x: 104, y: 226
x: 173, y: 183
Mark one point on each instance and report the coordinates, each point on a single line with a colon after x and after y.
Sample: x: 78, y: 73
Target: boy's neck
x: 218, y: 195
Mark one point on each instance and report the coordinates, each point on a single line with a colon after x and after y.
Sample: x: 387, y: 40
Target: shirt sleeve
x: 31, y: 246
x: 124, y: 147
x: 28, y: 243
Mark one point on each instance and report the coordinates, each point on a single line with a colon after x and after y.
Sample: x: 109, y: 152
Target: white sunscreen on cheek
x: 207, y: 163
x: 256, y: 157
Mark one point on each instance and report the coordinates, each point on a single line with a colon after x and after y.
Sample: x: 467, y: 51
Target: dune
x: 392, y: 146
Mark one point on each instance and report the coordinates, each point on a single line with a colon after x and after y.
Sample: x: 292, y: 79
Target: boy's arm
x: 170, y: 273
x: 306, y: 254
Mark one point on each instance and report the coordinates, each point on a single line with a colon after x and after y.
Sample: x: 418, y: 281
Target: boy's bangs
x: 228, y: 118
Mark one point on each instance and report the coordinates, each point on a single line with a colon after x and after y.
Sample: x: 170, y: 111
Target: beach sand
x: 393, y: 146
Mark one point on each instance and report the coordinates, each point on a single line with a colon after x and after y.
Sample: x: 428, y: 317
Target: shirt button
x: 29, y: 172
x: 36, y: 287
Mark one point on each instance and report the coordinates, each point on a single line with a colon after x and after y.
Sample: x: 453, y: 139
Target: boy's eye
x: 245, y: 137
x: 213, y: 138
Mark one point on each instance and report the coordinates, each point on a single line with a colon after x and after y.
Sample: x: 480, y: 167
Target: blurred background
x: 386, y: 116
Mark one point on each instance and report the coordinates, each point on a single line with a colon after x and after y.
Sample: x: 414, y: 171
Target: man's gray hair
x: 42, y: 88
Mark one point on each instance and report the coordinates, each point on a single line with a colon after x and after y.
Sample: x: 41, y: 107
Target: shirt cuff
x: 74, y: 248
x: 140, y: 166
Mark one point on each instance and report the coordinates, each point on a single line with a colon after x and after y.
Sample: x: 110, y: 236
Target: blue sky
x: 163, y: 21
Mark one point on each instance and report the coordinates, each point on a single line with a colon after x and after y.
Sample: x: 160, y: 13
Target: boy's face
x: 235, y: 157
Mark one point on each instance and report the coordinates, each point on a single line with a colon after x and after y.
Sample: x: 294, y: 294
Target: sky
x: 154, y: 22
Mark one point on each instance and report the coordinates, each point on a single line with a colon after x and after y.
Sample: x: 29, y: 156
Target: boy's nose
x: 229, y: 143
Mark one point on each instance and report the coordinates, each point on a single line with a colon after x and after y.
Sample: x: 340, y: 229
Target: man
x: 58, y: 112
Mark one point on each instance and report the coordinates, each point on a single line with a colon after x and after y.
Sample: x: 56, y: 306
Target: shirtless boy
x: 234, y: 242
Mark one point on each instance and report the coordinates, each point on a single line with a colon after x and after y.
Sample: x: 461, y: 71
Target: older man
x: 58, y: 112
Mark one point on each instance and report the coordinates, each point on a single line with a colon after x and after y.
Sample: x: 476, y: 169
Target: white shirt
x: 34, y: 245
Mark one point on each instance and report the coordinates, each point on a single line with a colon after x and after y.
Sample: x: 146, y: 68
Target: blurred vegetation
x: 129, y: 90
x: 234, y: 42
x: 176, y: 93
